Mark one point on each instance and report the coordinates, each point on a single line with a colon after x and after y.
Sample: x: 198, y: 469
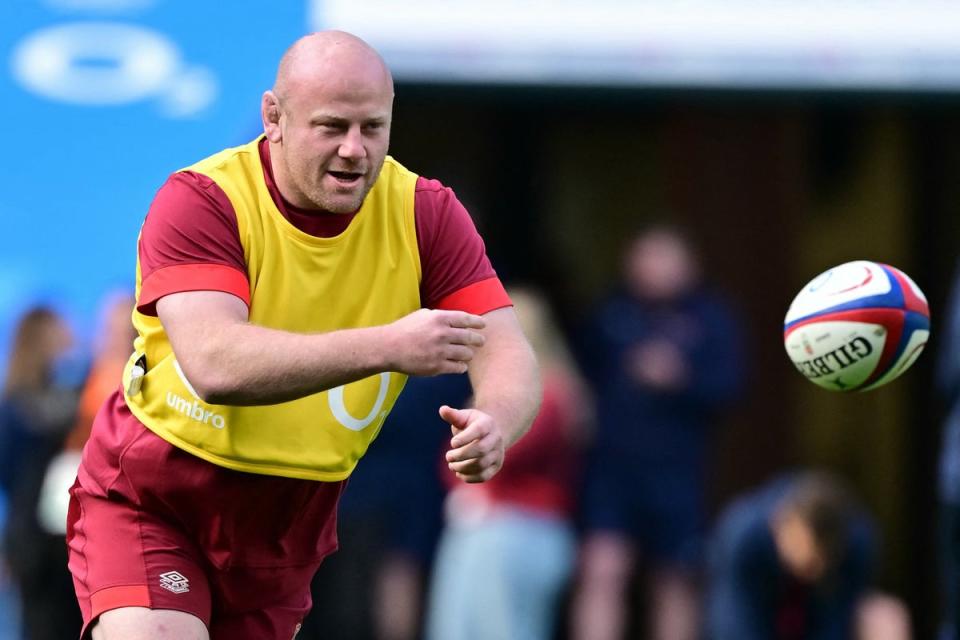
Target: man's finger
x: 488, y: 438
x: 463, y: 320
x: 474, y: 448
x: 465, y: 466
x: 471, y: 432
x: 482, y: 476
x: 467, y: 337
x: 453, y: 366
x: 475, y: 465
x: 458, y: 353
x: 469, y: 451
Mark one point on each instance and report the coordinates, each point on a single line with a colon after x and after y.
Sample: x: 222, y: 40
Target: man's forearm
x: 228, y: 360
x: 506, y: 384
x: 245, y: 364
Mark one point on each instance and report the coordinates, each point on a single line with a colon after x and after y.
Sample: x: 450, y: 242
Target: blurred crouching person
x: 793, y: 561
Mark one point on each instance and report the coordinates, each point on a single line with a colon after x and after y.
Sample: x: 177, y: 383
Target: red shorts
x: 153, y: 526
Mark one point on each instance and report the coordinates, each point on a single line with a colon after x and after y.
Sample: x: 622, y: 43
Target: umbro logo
x: 174, y: 582
x: 195, y: 411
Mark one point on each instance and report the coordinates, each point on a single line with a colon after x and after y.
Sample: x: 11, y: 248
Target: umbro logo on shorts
x: 174, y: 582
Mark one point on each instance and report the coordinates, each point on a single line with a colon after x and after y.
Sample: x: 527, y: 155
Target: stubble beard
x: 337, y: 204
x: 330, y: 200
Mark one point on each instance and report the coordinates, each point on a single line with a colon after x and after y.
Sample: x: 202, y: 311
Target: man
x: 947, y: 380
x: 285, y: 290
x: 664, y: 356
x: 792, y: 561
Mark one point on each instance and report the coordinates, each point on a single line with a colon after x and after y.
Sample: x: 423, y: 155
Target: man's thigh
x: 139, y: 623
x: 124, y: 558
x: 154, y: 527
x: 148, y: 581
x: 260, y: 603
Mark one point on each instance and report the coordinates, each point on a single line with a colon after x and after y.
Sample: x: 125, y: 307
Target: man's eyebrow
x: 330, y: 118
x: 327, y: 117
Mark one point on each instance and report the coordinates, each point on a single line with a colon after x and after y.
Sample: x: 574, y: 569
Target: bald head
x: 327, y: 56
x: 327, y: 120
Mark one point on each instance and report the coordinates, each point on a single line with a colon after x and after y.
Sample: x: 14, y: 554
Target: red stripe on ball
x: 911, y: 300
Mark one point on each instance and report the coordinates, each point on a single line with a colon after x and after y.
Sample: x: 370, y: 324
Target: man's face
x: 659, y: 266
x: 798, y: 548
x: 335, y: 134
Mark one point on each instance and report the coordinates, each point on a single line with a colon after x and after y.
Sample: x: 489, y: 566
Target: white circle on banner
x: 95, y: 63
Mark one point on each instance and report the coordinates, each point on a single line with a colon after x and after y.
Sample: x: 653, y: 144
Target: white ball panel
x: 839, y: 285
x: 836, y: 355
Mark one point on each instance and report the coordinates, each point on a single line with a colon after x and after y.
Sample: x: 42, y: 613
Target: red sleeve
x: 190, y: 242
x: 456, y: 271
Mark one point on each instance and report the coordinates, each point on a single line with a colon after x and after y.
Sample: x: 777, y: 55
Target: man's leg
x: 397, y: 608
x: 600, y: 604
x: 674, y: 534
x: 881, y: 616
x: 675, y: 609
x: 139, y: 623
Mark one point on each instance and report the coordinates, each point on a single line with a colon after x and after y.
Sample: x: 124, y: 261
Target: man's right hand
x: 430, y: 342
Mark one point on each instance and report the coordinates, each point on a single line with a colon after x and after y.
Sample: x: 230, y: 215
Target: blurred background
x: 784, y: 138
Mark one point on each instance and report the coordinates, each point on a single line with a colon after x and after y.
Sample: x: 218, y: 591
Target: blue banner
x: 102, y: 99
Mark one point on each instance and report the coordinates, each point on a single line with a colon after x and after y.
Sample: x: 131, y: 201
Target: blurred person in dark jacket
x: 948, y: 385
x: 36, y: 412
x: 793, y: 560
x: 664, y: 357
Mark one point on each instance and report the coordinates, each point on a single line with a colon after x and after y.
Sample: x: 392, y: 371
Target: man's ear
x: 270, y: 114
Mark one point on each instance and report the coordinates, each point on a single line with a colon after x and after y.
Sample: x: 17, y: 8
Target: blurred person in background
x: 36, y: 412
x: 113, y: 344
x: 112, y: 347
x: 947, y: 379
x: 508, y: 548
x: 664, y: 357
x: 388, y: 524
x: 792, y: 560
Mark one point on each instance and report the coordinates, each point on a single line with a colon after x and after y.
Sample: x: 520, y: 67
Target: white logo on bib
x: 339, y: 409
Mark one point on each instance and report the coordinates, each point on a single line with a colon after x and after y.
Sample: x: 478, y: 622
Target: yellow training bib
x: 368, y: 275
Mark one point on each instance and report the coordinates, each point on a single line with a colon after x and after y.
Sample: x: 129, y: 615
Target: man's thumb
x: 454, y: 417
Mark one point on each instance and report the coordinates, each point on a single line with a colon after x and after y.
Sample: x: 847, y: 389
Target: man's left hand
x: 477, y: 446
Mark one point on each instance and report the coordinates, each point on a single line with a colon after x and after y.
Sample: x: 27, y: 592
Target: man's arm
x: 507, y: 395
x: 230, y: 361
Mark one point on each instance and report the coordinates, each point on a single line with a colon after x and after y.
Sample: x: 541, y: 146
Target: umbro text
x: 195, y: 411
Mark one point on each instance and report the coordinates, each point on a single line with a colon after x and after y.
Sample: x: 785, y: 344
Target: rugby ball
x: 856, y: 326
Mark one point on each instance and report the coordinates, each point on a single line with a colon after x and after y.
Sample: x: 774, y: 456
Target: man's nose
x: 352, y: 145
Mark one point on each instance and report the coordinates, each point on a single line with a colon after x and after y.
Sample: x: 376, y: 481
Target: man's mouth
x: 346, y: 177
